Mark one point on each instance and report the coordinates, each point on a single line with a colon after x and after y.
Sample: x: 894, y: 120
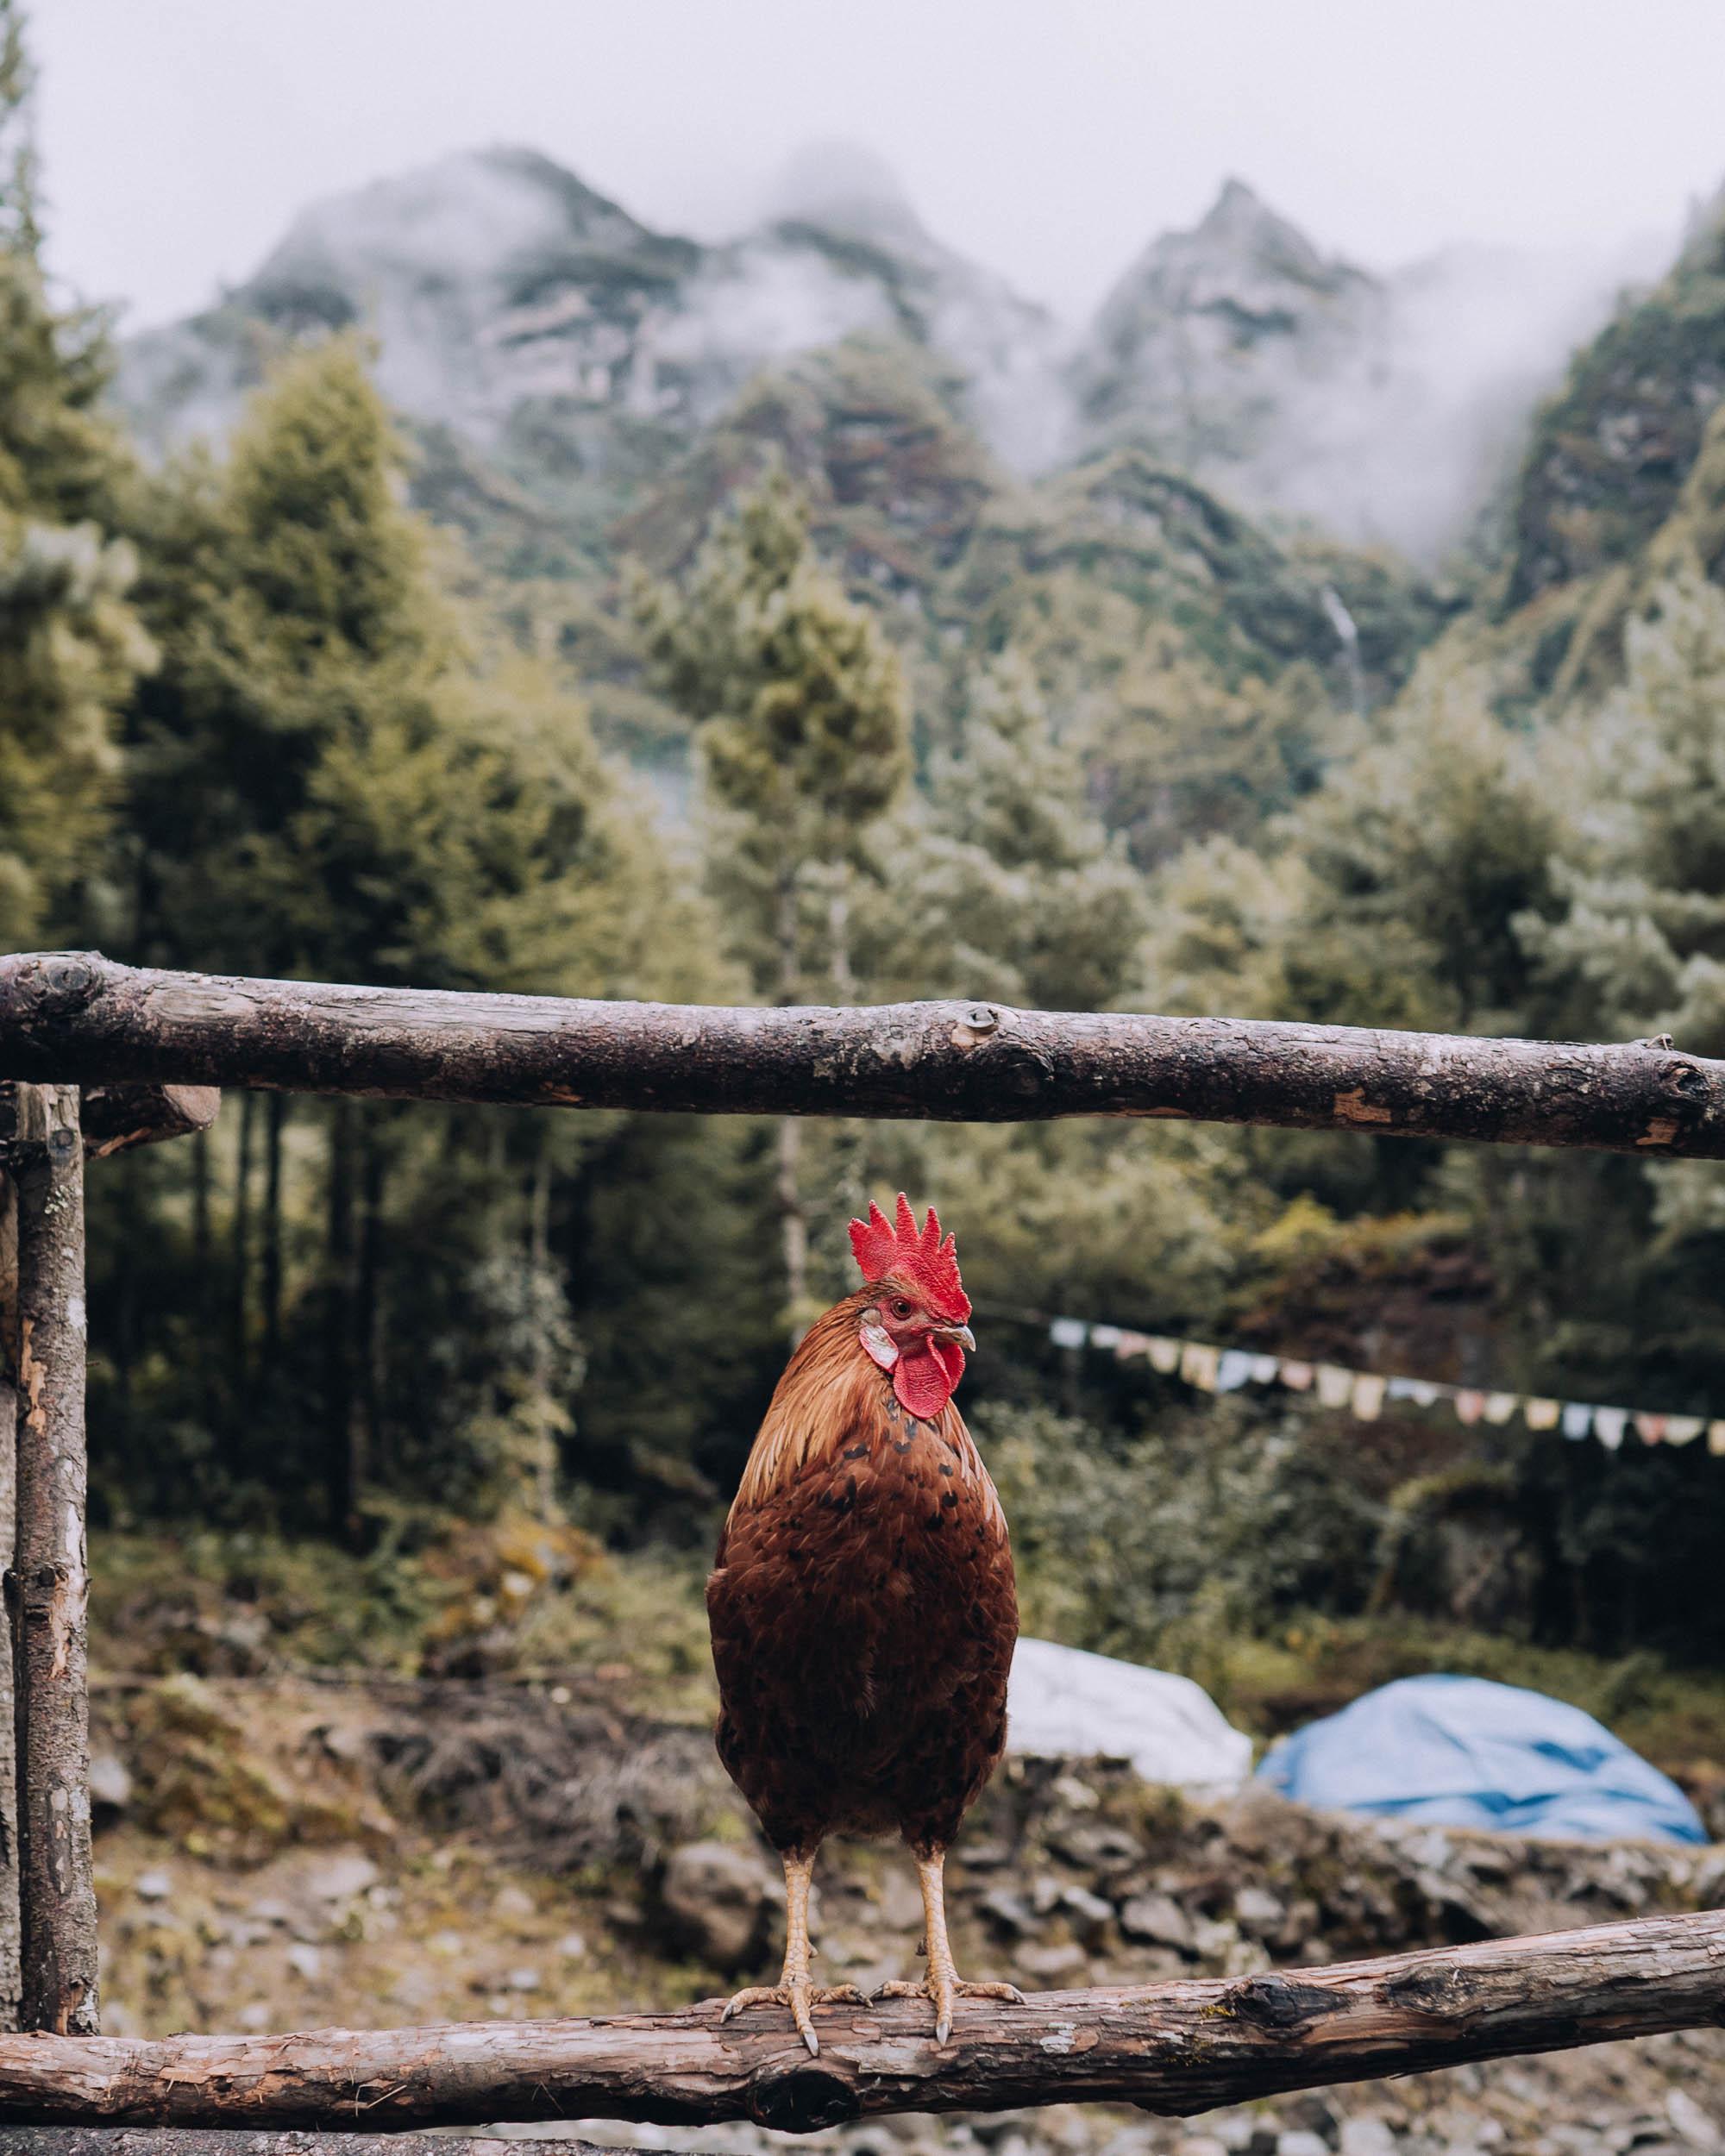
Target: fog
x: 1047, y: 141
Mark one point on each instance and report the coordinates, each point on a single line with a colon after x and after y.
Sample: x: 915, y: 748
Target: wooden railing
x: 96, y: 1056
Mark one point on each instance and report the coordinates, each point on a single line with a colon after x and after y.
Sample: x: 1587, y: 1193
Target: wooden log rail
x: 167, y: 2141
x: 1172, y: 2048
x: 74, y: 1016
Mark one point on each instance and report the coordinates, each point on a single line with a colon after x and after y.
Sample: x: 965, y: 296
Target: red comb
x: 917, y: 1257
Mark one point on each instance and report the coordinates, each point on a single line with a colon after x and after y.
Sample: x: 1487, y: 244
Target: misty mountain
x: 503, y: 292
x: 1611, y: 451
x: 1381, y: 408
x: 542, y: 338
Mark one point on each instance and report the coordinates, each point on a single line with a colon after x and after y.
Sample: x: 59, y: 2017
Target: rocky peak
x: 1241, y: 237
x: 504, y: 295
x: 1192, y: 348
x: 495, y: 217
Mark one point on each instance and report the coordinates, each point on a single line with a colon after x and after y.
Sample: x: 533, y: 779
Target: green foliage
x: 1639, y: 948
x: 332, y: 774
x: 800, y: 708
x: 70, y: 643
x: 1610, y: 451
x: 1429, y: 845
x: 1163, y: 1547
x: 1088, y: 742
x: 998, y: 879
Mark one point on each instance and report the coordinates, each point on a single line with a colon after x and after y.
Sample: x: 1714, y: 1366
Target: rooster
x: 862, y: 1605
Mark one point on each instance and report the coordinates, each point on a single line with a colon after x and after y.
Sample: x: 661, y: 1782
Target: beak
x: 959, y: 1336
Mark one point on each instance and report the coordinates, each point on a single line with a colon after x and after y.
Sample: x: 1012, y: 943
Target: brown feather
x: 862, y: 1608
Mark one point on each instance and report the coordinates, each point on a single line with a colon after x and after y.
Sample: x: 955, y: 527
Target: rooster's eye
x: 901, y: 1308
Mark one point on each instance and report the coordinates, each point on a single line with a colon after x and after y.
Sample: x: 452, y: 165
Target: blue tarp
x: 1462, y: 1751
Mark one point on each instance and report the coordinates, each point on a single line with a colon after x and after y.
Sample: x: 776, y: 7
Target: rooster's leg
x: 943, y: 1983
x: 793, y: 1988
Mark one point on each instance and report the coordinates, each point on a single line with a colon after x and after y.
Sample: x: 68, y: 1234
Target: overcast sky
x: 1048, y: 138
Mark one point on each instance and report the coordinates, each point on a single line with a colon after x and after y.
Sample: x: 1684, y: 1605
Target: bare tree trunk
x: 10, y: 1936
x: 341, y: 1483
x: 57, y: 1892
x: 271, y: 1256
x: 1173, y: 2049
x: 539, y: 1256
x: 370, y: 1308
x: 238, y: 1272
x: 202, y: 1273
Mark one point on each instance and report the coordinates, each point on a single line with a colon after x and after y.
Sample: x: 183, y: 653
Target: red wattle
x: 925, y: 1381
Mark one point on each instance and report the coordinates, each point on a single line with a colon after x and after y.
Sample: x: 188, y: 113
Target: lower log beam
x: 146, y: 2141
x: 1172, y: 2048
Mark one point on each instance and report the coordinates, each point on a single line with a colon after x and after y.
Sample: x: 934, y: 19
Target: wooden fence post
x: 10, y: 1938
x: 57, y: 1894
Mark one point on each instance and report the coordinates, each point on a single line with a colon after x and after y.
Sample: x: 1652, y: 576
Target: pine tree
x: 804, y: 738
x: 335, y: 774
x: 1638, y: 946
x: 1002, y: 882
x: 1433, y: 839
x: 70, y: 643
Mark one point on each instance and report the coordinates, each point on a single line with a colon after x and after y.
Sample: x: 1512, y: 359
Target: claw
x: 800, y: 1998
x: 945, y: 1996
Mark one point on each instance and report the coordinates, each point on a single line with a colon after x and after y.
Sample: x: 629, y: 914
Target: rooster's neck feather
x: 829, y: 1392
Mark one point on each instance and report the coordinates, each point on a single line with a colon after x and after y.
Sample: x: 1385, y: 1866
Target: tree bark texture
x: 74, y: 1016
x: 117, y: 1117
x: 56, y: 1893
x: 131, y: 2140
x: 11, y: 1939
x: 1172, y: 2048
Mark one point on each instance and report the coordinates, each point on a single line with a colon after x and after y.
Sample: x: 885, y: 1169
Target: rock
x: 1045, y: 1892
x: 1302, y: 2142
x: 1008, y: 1912
x: 341, y: 1877
x: 1159, y: 1920
x: 305, y: 1960
x: 1200, y: 2145
x: 899, y: 1899
x: 1297, y: 1928
x: 718, y: 1903
x: 1091, y: 1915
x: 510, y: 1903
x: 269, y: 1910
x: 152, y: 1886
x: 344, y: 1742
x: 1076, y: 1795
x: 1212, y: 1940
x: 255, y: 2016
x: 1258, y: 1913
x: 1098, y: 1846
x: 986, y: 1856
x: 110, y: 1786
x: 1693, y: 2125
x: 1309, y: 2108
x: 523, y: 1979
x: 1366, y: 2136
x: 1050, y: 1961
x: 571, y: 1946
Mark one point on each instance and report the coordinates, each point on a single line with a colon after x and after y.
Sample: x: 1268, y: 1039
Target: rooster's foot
x: 945, y: 1991
x: 799, y: 1997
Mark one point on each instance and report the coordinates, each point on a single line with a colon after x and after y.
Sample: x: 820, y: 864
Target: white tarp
x: 1063, y: 1702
